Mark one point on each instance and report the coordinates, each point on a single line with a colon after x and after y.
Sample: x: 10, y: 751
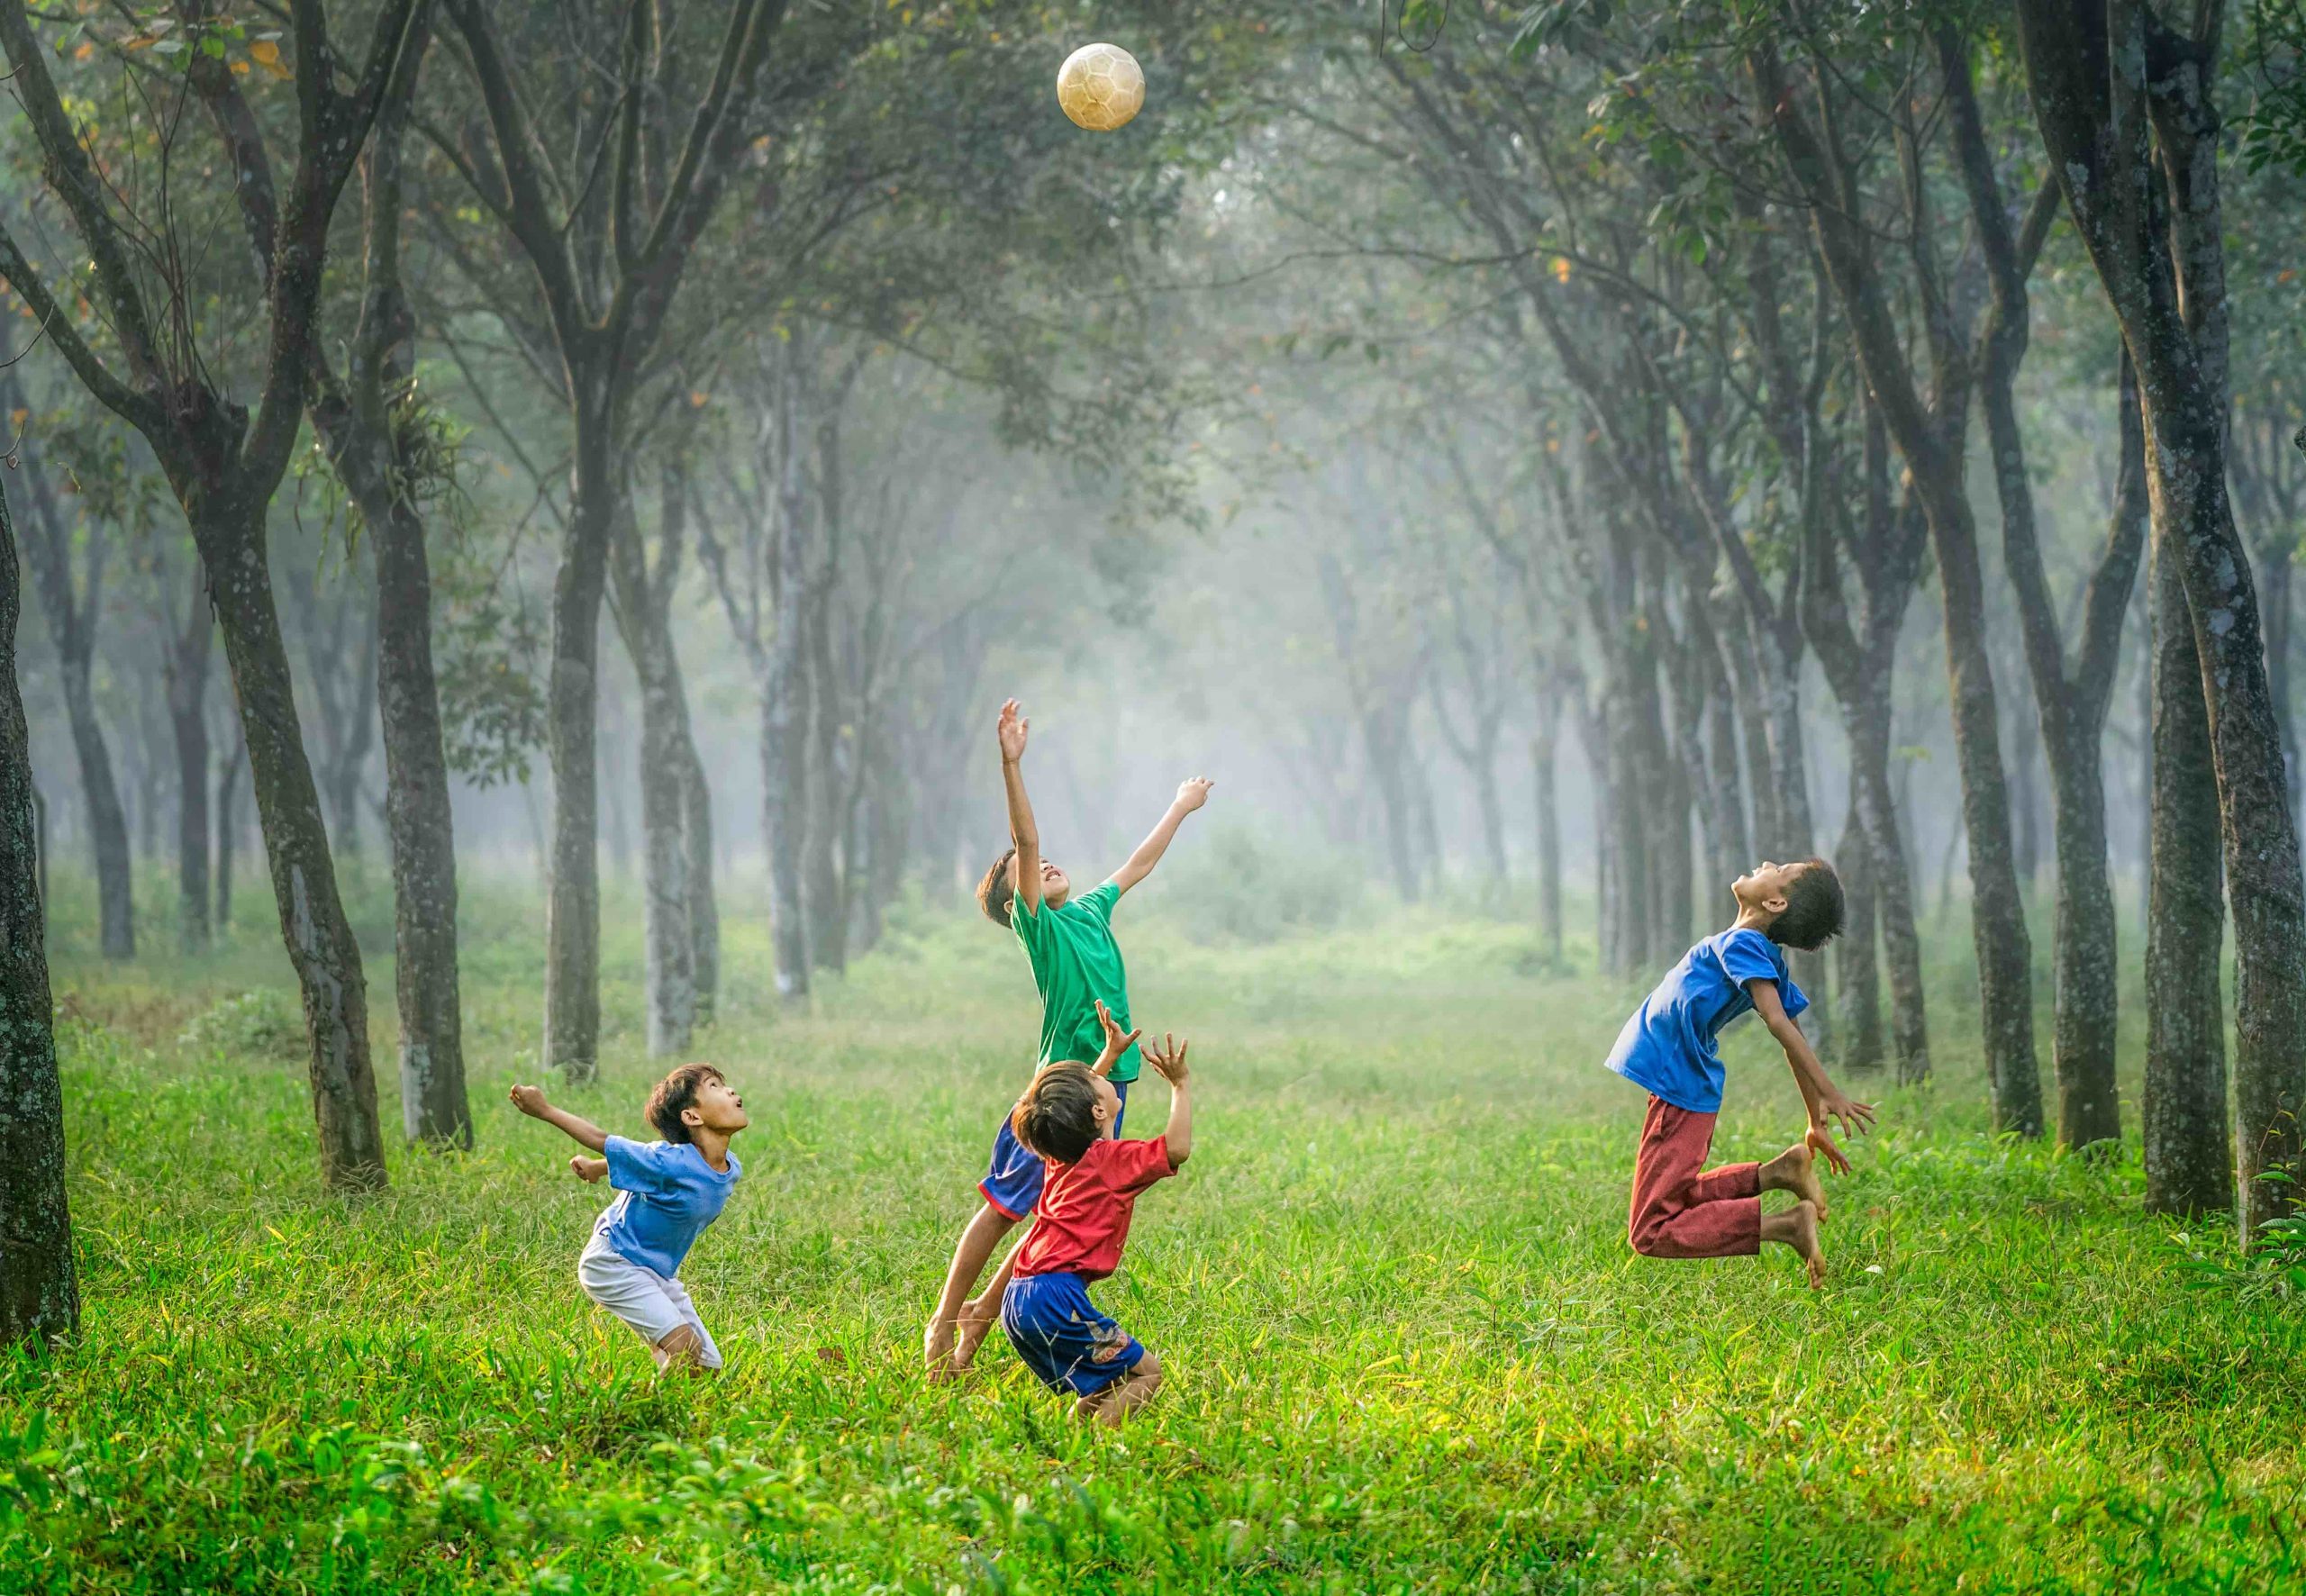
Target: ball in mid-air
x: 1100, y: 86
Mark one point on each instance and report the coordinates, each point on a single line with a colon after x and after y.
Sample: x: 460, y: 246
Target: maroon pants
x: 1682, y: 1209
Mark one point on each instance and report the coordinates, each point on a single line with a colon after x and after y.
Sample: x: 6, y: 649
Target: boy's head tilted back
x: 695, y: 1097
x: 1800, y: 904
x: 1065, y: 1112
x: 999, y: 887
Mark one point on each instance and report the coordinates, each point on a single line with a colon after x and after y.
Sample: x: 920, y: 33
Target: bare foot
x: 937, y: 1349
x: 1090, y: 1409
x: 976, y: 1325
x: 1801, y: 1226
x: 1797, y: 1171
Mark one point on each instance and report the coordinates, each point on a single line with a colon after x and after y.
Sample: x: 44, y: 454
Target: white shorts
x: 653, y: 1305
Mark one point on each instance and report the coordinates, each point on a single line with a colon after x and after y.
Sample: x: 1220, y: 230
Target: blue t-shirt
x: 1667, y: 1046
x: 668, y: 1195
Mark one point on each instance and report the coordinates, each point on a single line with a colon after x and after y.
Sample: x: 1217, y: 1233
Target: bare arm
x: 1116, y: 1043
x: 1022, y: 833
x: 1825, y: 1100
x: 1170, y: 1059
x: 531, y: 1101
x: 1190, y: 796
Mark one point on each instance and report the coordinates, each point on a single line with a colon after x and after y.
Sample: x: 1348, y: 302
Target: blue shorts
x: 1063, y: 1338
x: 1013, y: 1177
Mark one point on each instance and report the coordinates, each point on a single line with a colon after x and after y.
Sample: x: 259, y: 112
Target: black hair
x: 1057, y: 1116
x: 1813, y: 908
x: 995, y: 892
x: 675, y: 1093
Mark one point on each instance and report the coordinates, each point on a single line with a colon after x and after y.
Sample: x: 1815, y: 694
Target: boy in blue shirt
x: 668, y: 1193
x: 1680, y: 1209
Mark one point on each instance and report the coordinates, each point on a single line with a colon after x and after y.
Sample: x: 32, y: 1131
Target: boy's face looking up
x: 1762, y: 889
x: 1055, y: 887
x: 1108, y: 1108
x: 717, y: 1108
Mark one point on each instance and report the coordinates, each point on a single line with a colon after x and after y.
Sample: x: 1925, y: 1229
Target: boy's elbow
x: 1179, y: 1154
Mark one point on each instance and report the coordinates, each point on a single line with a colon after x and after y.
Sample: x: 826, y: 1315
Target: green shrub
x: 1239, y: 885
x: 265, y: 1023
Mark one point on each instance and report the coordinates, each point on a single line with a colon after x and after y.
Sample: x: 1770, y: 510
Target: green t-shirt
x: 1075, y: 962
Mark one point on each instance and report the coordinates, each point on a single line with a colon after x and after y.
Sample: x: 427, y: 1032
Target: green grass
x: 1409, y: 1348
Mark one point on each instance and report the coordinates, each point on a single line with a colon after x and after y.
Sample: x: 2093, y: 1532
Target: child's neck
x: 1753, y: 919
x: 713, y: 1145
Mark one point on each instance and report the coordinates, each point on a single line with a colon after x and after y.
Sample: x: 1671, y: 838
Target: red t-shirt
x: 1083, y: 1217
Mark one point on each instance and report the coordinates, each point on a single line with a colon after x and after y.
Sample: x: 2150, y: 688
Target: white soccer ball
x: 1100, y: 86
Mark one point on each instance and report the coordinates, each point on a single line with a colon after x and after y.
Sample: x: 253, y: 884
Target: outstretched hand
x: 1011, y: 731
x: 1193, y: 793
x: 1820, y: 1143
x: 588, y: 1170
x: 530, y: 1100
x: 1837, y: 1110
x: 1116, y: 1043
x: 1168, y: 1056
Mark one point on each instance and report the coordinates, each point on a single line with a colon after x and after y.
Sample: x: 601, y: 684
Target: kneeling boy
x: 668, y: 1193
x: 1080, y: 1224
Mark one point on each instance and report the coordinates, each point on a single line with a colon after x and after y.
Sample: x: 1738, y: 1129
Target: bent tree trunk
x: 40, y: 1297
x: 2189, y: 1162
x: 320, y: 940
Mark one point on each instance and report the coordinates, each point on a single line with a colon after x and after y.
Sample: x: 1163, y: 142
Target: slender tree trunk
x: 2189, y: 1161
x: 350, y: 760
x: 187, y: 683
x: 703, y: 905
x: 1893, y: 884
x: 1492, y: 813
x: 40, y: 1296
x: 228, y: 830
x: 664, y: 823
x: 1544, y: 751
x: 107, y: 821
x: 320, y: 941
x: 1856, y: 987
x: 824, y: 870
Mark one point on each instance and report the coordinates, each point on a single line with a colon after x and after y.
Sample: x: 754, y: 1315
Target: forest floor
x: 1409, y: 1348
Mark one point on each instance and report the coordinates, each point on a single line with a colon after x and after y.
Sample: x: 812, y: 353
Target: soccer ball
x: 1100, y: 86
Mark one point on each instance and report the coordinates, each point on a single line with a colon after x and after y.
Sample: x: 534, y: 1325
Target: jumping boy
x: 1680, y: 1209
x: 1076, y: 963
x: 668, y: 1193
x: 1071, y: 1116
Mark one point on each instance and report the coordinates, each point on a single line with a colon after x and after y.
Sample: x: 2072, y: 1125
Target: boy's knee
x: 1148, y: 1370
x: 1646, y: 1231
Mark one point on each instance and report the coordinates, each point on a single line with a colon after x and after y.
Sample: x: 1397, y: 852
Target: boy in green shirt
x: 1077, y: 964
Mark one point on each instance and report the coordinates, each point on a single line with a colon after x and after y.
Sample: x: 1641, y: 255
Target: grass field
x: 1409, y: 1348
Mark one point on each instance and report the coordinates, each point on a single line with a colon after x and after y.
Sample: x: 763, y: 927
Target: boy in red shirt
x: 1068, y: 1116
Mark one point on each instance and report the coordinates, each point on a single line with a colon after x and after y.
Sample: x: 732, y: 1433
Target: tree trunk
x: 320, y: 941
x: 185, y: 676
x: 1856, y: 987
x: 228, y: 832
x: 1544, y: 750
x: 434, y: 1107
x: 825, y: 872
x: 107, y: 820
x: 704, y: 904
x: 2189, y: 1162
x: 572, y: 916
x: 663, y: 833
x: 40, y: 1296
x: 350, y: 760
x: 1893, y: 884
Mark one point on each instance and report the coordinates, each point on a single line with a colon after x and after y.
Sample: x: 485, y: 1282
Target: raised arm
x: 1116, y: 1041
x: 1022, y: 833
x: 1170, y: 1059
x: 1190, y: 795
x: 1825, y: 1100
x: 530, y: 1100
